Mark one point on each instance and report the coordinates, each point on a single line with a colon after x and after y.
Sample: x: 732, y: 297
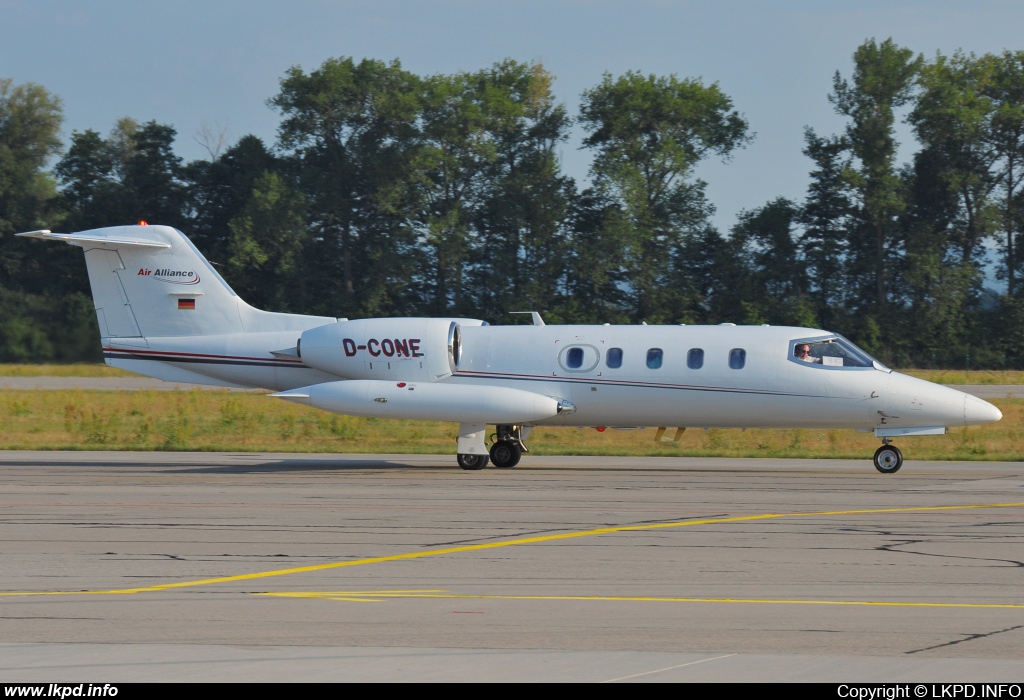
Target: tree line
x: 390, y: 193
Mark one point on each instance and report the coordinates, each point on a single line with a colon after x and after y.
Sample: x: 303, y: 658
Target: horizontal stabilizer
x: 81, y: 239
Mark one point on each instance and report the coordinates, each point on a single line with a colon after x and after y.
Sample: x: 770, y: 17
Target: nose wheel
x: 888, y: 459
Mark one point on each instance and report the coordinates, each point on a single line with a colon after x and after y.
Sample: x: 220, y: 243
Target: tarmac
x: 122, y: 566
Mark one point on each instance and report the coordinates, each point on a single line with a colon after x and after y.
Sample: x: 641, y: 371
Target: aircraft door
x: 579, y: 360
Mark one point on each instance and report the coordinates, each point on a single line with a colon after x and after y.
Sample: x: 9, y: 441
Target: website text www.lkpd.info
x: 61, y: 690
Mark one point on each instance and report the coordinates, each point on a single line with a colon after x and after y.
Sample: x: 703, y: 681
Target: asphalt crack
x: 967, y: 638
x: 898, y: 548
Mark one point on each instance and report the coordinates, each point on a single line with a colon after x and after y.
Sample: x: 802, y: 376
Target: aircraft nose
x: 977, y: 411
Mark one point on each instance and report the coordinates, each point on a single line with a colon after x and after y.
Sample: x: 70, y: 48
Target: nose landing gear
x: 888, y: 458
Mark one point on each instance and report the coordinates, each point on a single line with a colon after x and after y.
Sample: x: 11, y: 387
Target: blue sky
x: 192, y: 63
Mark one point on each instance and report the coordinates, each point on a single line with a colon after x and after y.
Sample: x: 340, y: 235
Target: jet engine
x: 411, y: 349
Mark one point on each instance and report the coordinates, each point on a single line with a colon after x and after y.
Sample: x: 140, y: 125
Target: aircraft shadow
x: 306, y: 465
x: 190, y: 466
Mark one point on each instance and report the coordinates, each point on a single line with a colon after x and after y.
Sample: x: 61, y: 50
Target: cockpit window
x: 833, y: 351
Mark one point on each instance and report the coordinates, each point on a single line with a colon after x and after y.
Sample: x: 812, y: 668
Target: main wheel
x: 472, y: 462
x: 888, y: 459
x: 505, y: 454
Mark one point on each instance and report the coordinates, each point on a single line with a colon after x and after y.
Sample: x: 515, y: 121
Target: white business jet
x: 163, y: 311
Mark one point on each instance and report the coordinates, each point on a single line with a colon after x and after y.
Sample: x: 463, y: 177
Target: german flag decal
x: 187, y: 304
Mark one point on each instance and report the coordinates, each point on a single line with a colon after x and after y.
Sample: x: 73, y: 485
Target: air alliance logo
x: 172, y: 276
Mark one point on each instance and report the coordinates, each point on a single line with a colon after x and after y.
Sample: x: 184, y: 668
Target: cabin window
x: 614, y: 358
x: 579, y: 358
x: 695, y: 358
x: 835, y: 351
x: 737, y: 358
x: 654, y: 357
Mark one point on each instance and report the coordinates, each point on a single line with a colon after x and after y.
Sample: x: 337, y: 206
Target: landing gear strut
x: 509, y: 447
x: 888, y: 458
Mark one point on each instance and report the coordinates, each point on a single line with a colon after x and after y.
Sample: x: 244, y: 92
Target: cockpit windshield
x: 832, y: 351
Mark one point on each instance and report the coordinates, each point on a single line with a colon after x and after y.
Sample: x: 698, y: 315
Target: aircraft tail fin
x: 150, y: 281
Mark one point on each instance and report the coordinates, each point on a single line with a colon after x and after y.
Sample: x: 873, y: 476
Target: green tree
x: 131, y: 175
x: 716, y: 273
x: 882, y: 82
x: 456, y: 155
x: 826, y: 220
x: 1006, y: 91
x: 265, y: 247
x: 952, y: 118
x: 594, y: 281
x: 518, y: 241
x: 30, y: 120
x: 45, y: 311
x: 648, y: 133
x: 351, y: 127
x: 219, y: 188
x: 970, y: 120
x: 776, y: 262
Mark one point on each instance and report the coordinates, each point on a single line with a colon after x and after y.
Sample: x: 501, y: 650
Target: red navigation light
x: 401, y: 384
x: 142, y: 222
x: 600, y: 428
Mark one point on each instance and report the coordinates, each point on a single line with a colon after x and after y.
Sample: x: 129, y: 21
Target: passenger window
x: 654, y: 356
x: 695, y: 358
x: 574, y: 358
x: 614, y: 358
x: 737, y: 358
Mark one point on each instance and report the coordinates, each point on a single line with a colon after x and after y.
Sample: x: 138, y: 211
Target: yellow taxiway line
x: 507, y: 543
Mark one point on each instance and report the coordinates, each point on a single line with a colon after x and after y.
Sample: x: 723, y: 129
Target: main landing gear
x: 505, y: 453
x: 472, y: 462
x: 888, y: 458
x: 509, y: 447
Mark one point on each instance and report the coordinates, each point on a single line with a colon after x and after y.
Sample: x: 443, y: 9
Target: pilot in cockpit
x: 802, y: 351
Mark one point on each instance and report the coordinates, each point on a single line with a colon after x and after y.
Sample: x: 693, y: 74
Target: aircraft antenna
x: 537, y: 320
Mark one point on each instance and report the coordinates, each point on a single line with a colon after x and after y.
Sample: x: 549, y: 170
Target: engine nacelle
x: 417, y: 349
